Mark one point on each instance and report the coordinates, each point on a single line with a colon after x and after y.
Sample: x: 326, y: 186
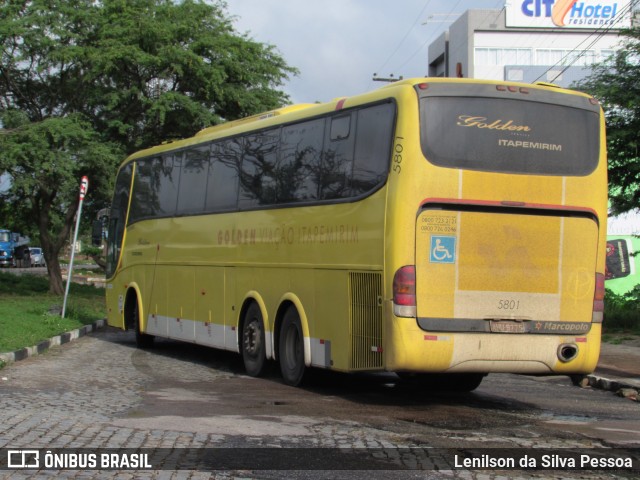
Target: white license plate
x: 505, y: 326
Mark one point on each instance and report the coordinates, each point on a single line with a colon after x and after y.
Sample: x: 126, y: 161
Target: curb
x: 43, y: 346
x: 619, y: 387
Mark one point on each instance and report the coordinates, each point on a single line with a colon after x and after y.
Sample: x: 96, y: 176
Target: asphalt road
x: 102, y: 392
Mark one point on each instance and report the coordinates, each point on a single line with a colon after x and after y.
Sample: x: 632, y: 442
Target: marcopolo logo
x: 568, y: 13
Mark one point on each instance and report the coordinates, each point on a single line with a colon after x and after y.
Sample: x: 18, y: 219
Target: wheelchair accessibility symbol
x: 443, y: 249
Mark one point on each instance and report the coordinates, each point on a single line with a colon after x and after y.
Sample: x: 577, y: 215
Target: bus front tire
x: 253, y: 343
x: 142, y: 339
x: 291, y: 350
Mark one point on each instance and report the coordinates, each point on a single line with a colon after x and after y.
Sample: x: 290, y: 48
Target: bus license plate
x: 502, y: 326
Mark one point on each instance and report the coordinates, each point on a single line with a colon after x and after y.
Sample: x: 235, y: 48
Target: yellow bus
x: 441, y: 228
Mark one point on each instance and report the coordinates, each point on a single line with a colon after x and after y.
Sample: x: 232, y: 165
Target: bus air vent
x: 365, y: 322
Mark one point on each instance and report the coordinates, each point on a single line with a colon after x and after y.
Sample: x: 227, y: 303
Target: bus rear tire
x: 253, y: 343
x: 291, y: 350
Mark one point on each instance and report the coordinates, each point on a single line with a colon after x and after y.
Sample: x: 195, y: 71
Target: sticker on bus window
x: 443, y: 249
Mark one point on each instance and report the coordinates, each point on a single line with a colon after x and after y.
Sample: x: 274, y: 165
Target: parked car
x: 37, y: 257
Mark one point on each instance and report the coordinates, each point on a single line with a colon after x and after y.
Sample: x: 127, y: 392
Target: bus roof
x: 299, y: 111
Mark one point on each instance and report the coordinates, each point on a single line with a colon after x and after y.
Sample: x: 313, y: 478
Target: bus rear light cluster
x: 598, y: 299
x: 404, y: 291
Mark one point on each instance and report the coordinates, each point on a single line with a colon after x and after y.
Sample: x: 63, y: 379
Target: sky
x: 338, y: 45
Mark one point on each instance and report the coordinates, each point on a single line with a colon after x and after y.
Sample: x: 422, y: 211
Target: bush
x: 622, y: 312
x: 22, y: 284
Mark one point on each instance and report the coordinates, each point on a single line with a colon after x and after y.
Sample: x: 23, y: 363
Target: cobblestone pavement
x: 102, y: 392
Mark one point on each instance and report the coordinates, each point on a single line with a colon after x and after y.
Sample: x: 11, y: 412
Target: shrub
x: 622, y: 312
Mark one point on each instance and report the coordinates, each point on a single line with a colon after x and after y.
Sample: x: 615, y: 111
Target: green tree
x: 83, y: 83
x: 616, y: 84
x: 46, y: 160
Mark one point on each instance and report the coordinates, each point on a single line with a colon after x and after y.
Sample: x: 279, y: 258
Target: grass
x: 29, y: 314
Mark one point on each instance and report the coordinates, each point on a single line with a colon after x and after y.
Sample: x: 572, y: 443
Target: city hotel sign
x: 563, y: 14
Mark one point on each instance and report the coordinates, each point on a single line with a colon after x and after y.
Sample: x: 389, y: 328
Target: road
x: 102, y: 392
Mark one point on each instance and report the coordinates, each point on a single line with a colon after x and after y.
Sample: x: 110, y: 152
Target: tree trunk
x: 56, y: 285
x: 51, y: 246
x: 100, y: 261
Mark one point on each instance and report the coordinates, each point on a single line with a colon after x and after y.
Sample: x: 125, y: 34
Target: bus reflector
x: 423, y: 86
x: 598, y: 299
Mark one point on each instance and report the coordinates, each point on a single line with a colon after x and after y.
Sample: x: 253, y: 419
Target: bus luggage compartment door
x: 505, y: 270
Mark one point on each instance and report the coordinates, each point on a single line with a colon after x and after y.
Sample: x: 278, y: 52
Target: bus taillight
x: 598, y: 299
x: 404, y: 291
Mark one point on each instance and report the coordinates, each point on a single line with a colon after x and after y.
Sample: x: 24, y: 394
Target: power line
x: 406, y: 35
x: 428, y: 39
x: 600, y: 33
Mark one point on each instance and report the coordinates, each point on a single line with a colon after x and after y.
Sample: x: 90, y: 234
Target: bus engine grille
x: 365, y: 329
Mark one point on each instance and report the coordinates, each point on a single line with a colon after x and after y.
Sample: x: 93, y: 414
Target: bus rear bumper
x: 412, y: 349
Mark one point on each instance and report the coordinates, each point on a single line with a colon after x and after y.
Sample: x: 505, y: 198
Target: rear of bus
x: 496, y: 230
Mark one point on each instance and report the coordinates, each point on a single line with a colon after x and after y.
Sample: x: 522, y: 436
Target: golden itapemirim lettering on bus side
x: 288, y: 235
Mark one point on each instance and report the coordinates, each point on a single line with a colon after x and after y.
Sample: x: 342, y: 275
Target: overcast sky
x: 339, y: 44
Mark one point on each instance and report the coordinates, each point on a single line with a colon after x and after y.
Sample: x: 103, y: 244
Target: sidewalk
x: 618, y: 371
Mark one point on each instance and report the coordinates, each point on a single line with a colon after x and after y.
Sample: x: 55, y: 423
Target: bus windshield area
x: 510, y: 135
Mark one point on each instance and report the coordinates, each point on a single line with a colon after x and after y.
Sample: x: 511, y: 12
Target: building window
x: 503, y: 56
x: 606, y: 55
x: 578, y: 58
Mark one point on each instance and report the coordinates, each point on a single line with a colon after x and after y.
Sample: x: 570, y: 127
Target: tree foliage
x: 46, y: 159
x: 616, y: 84
x: 83, y: 83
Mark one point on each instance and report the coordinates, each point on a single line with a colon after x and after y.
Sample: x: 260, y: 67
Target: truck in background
x: 13, y: 249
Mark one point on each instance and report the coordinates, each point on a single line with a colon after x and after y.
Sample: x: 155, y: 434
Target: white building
x: 531, y: 40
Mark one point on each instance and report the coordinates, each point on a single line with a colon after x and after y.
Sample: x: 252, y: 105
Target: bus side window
x: 340, y: 127
x: 300, y: 165
x: 155, y: 188
x: 144, y: 203
x: 373, y: 148
x: 337, y: 161
x: 259, y: 182
x: 193, y: 180
x: 167, y: 177
x: 223, y: 177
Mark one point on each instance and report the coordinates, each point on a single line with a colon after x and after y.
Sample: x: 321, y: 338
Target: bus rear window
x: 509, y: 135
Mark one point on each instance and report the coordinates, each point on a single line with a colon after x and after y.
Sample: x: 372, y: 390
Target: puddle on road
x: 566, y: 419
